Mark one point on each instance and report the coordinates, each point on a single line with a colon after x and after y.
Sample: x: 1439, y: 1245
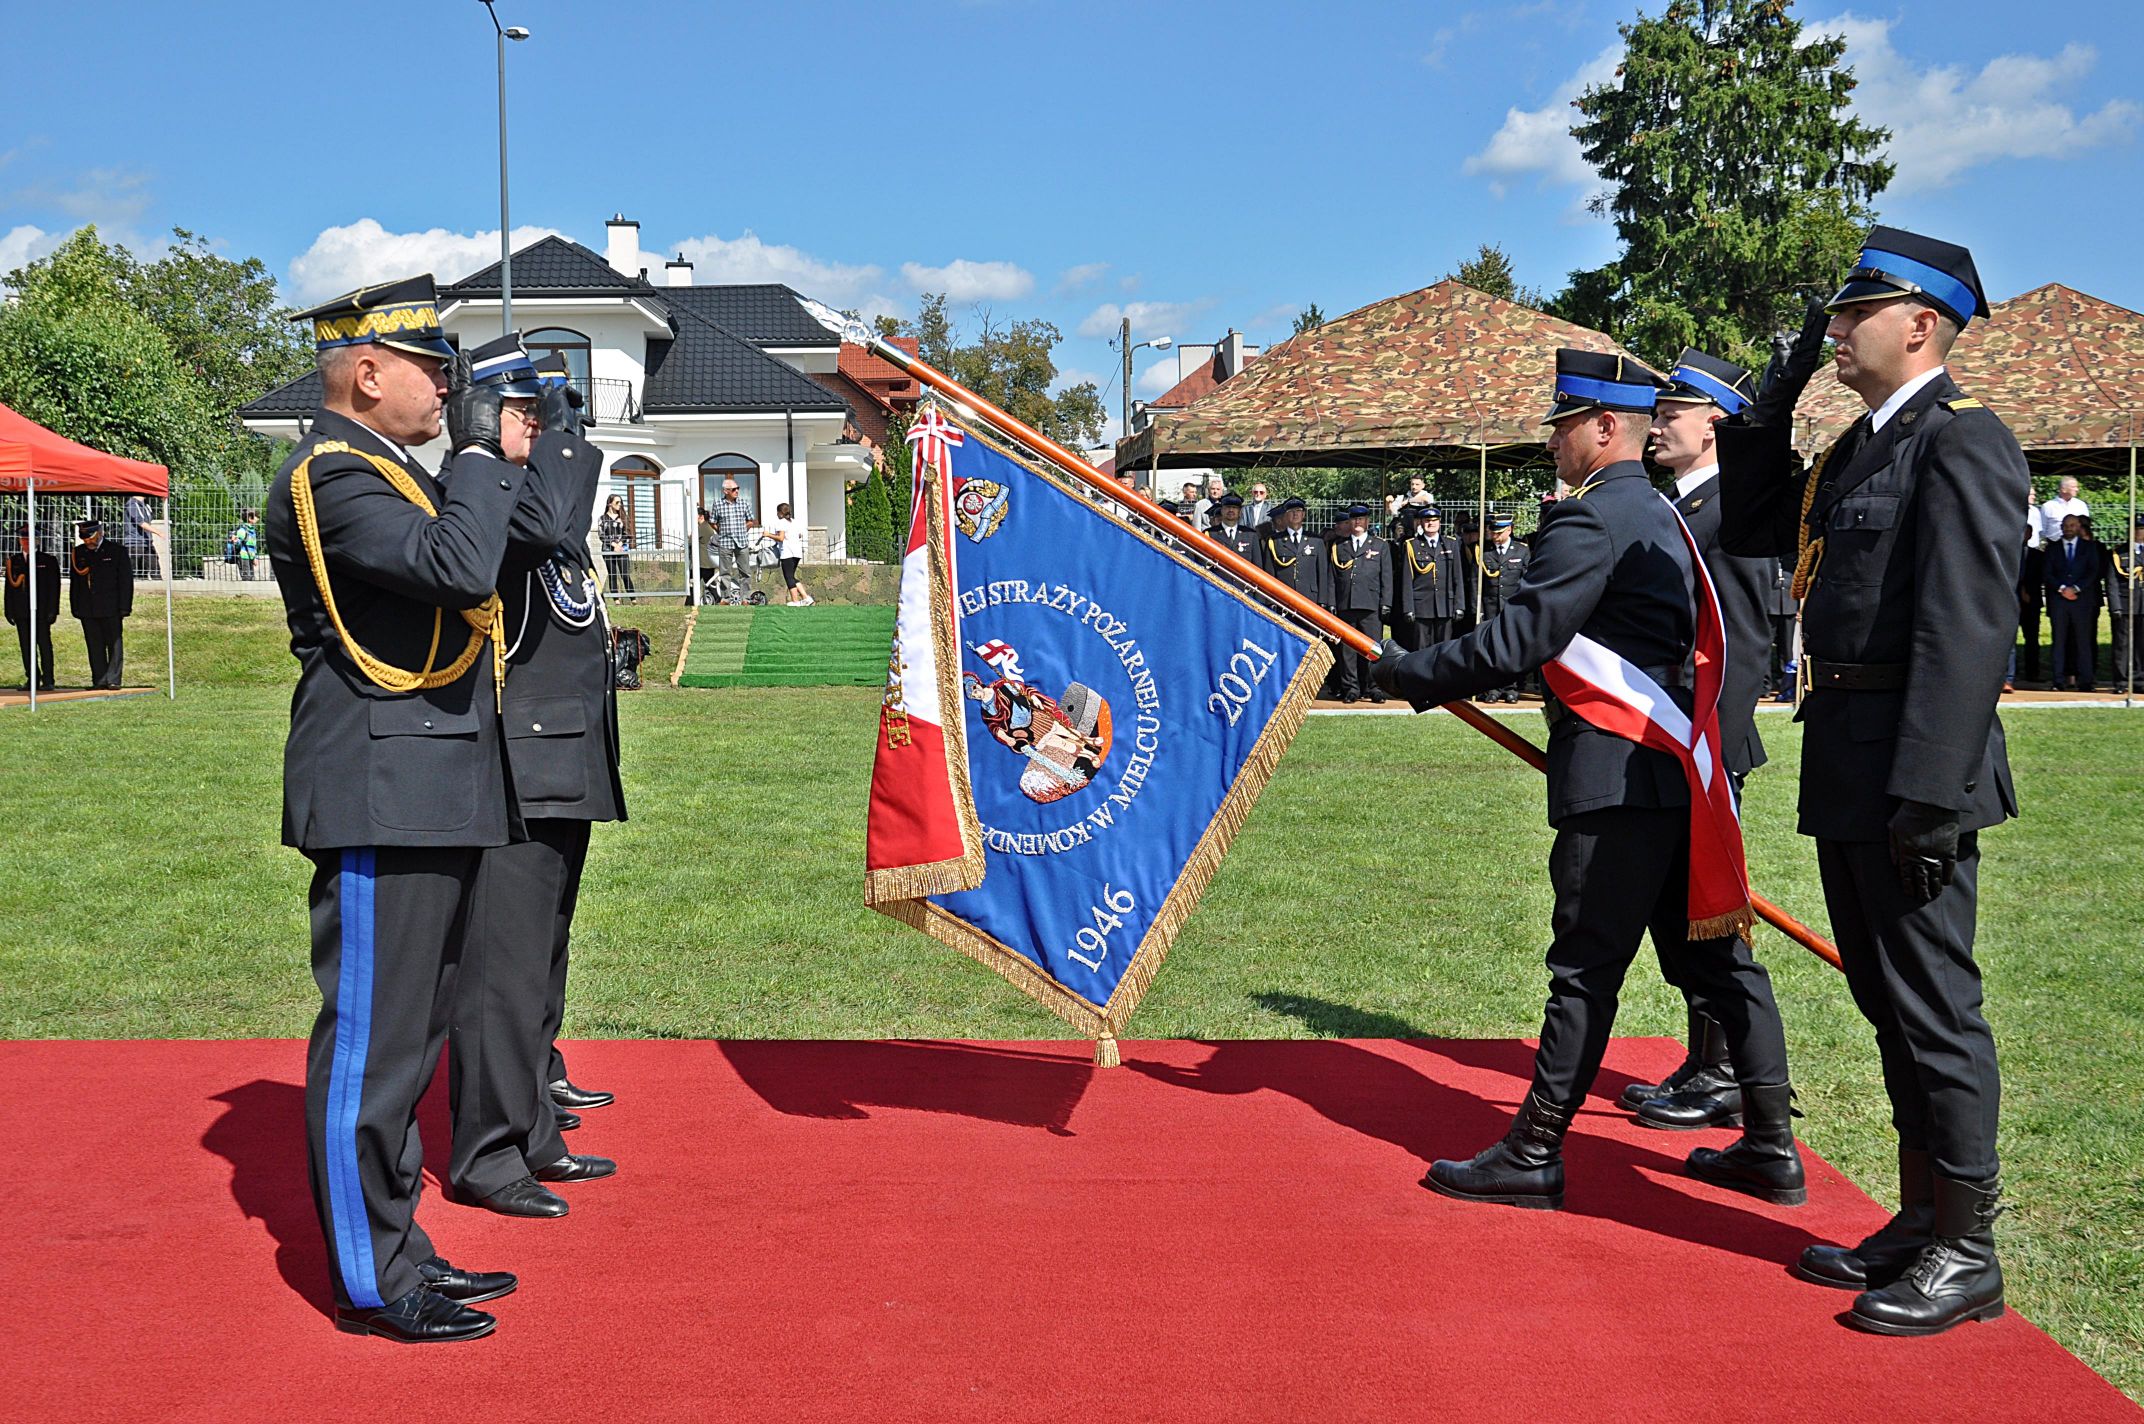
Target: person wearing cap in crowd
x: 1229, y: 529
x: 1359, y: 592
x: 100, y: 594
x: 1503, y: 565
x: 1291, y: 555
x: 1906, y: 545
x: 560, y: 722
x: 1613, y: 580
x: 1432, y: 590
x: 394, y: 772
x: 18, y: 600
x: 2125, y: 580
x: 1703, y: 390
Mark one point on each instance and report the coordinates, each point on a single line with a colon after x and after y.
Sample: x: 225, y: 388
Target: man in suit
x: 1702, y: 391
x: 1612, y: 570
x: 1257, y: 509
x: 46, y: 587
x: 1906, y: 546
x: 2074, y: 574
x: 1229, y: 530
x: 560, y: 724
x: 1432, y: 585
x: 100, y: 593
x: 1359, y: 592
x: 394, y: 778
x: 2125, y: 580
x: 1503, y: 565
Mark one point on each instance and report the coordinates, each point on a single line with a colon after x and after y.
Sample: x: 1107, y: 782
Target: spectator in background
x: 790, y: 551
x: 2064, y: 504
x: 1257, y: 509
x: 614, y: 531
x: 1187, y: 505
x: 2074, y: 579
x: 1203, y: 517
x: 2031, y: 586
x: 141, y: 545
x: 243, y: 546
x: 730, y: 522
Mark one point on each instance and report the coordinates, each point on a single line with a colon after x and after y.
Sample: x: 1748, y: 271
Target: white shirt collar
x: 1899, y: 397
x: 388, y: 445
x: 1686, y: 483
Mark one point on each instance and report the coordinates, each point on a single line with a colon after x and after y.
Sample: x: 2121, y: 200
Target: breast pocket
x: 424, y: 765
x: 543, y: 736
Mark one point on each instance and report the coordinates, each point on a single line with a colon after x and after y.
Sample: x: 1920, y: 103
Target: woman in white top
x: 791, y: 551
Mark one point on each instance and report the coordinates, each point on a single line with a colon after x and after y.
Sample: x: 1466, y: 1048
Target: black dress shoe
x: 567, y: 1121
x: 566, y: 1095
x: 441, y: 1277
x: 571, y: 1168
x: 524, y: 1196
x: 421, y: 1317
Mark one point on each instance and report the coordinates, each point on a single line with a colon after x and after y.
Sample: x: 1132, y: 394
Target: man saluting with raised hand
x: 1904, y: 537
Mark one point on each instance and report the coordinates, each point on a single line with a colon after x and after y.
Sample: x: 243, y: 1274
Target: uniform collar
x: 1687, y: 485
x: 1883, y: 413
x: 339, y: 419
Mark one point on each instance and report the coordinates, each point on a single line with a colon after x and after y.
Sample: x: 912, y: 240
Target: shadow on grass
x: 843, y: 1079
x: 1327, y: 1019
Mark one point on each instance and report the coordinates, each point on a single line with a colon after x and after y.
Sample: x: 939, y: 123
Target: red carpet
x: 939, y: 1231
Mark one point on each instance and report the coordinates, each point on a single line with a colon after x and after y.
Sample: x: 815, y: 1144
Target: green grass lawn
x: 142, y: 893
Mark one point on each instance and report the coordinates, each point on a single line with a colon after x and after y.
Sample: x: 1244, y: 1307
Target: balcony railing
x: 608, y: 402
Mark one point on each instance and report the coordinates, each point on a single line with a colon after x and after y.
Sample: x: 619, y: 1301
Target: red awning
x: 29, y: 451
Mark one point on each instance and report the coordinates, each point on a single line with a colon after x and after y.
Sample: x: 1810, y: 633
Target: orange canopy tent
x: 34, y: 461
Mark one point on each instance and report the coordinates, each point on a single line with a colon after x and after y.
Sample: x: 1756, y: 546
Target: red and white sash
x: 1614, y: 695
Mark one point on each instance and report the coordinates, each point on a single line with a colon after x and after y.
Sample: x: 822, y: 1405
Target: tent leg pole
x: 30, y: 570
x: 171, y: 646
x: 1481, y: 533
x: 2129, y: 594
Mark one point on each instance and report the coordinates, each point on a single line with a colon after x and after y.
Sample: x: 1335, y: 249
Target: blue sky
x: 1203, y: 166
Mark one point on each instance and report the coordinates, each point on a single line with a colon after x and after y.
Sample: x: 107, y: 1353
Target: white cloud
x: 745, y: 259
x: 1155, y: 379
x: 1945, y: 119
x: 344, y: 258
x: 1148, y: 318
x: 1074, y: 279
x: 24, y: 244
x: 1539, y: 140
x: 965, y: 281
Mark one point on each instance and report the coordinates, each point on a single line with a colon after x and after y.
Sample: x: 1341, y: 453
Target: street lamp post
x: 506, y: 242
x: 1124, y: 341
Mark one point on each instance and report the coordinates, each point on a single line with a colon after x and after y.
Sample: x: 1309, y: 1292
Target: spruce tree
x: 871, y: 521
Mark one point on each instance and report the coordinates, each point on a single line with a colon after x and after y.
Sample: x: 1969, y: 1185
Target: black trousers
x: 107, y: 651
x: 514, y: 956
x: 2028, y: 623
x: 1782, y: 649
x: 43, y: 675
x: 387, y: 925
x: 1617, y: 872
x: 1426, y: 632
x: 2073, y: 628
x: 1352, y: 668
x: 619, y: 568
x: 1910, y: 969
x: 2118, y: 640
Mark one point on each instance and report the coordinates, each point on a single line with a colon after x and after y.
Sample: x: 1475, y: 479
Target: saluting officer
x: 1610, y: 564
x: 100, y: 594
x: 1432, y: 578
x: 47, y: 588
x: 561, y: 725
x: 1359, y: 592
x: 1906, y: 547
x: 394, y: 776
x: 1503, y: 565
x: 1703, y: 390
x: 1230, y: 530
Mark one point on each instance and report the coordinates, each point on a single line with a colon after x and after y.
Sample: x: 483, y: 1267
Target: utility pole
x: 1124, y: 344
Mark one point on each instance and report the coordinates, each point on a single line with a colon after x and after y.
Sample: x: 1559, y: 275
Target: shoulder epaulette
x: 1962, y: 403
x: 1580, y: 492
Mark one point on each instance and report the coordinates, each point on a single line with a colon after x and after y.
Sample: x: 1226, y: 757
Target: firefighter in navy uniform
x: 561, y: 726
x: 394, y: 774
x: 1359, y: 593
x: 1503, y: 565
x: 1784, y: 607
x: 1611, y: 564
x: 1290, y: 554
x: 1906, y: 546
x: 1703, y: 390
x: 47, y: 589
x: 2125, y: 581
x: 1431, y: 575
x: 1229, y: 530
x: 100, y: 594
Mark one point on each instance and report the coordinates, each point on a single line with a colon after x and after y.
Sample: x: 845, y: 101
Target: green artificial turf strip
x: 777, y: 646
x: 1391, y: 882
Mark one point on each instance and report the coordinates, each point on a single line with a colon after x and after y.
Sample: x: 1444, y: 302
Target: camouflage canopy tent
x: 1445, y: 376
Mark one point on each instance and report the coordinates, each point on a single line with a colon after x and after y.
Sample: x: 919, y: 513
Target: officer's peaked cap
x: 1701, y: 379
x: 1601, y: 380
x: 1896, y: 263
x: 504, y: 362
x: 403, y: 314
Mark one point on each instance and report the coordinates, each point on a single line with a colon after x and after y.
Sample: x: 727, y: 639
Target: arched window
x: 639, y: 480
x: 742, y: 468
x: 569, y: 344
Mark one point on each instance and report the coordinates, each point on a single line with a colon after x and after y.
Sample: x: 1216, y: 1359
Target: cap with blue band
x: 1602, y: 380
x: 1610, y: 393
x: 505, y: 363
x: 1895, y: 263
x: 1704, y: 379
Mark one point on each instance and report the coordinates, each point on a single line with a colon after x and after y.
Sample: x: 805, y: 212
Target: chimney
x: 1228, y: 360
x: 622, y: 250
x: 677, y: 272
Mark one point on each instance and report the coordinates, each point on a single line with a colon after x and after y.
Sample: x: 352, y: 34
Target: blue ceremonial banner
x: 1123, y: 705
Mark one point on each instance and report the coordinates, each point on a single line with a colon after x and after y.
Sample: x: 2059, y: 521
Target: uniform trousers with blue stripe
x: 387, y: 927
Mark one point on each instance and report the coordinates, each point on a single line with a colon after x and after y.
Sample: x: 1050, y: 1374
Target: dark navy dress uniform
x: 1432, y: 590
x: 1359, y: 592
x: 392, y: 794
x: 1784, y: 608
x: 2125, y: 581
x: 100, y: 593
x: 1295, y: 557
x: 1502, y: 569
x: 39, y: 637
x: 1239, y: 538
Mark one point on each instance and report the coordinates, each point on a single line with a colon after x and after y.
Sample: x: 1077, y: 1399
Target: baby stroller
x: 720, y: 585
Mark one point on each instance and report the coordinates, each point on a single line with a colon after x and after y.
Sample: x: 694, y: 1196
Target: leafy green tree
x: 1738, y: 178
x: 1490, y: 270
x: 897, y: 462
x: 871, y: 521
x: 223, y: 318
x: 1011, y: 364
x: 1310, y: 318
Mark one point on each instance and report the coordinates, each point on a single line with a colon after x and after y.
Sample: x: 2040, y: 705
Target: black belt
x: 1853, y: 677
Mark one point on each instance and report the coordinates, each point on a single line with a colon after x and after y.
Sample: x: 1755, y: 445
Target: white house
x: 688, y: 385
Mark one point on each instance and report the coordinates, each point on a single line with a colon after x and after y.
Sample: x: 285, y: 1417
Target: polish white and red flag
x: 923, y: 838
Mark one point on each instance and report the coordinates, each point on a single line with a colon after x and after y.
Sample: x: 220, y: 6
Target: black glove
x: 1790, y: 370
x: 473, y: 412
x: 1924, y: 847
x: 560, y: 409
x: 1385, y: 671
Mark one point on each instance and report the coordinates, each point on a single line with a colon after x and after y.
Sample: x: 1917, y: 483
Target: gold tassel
x: 1105, y: 1052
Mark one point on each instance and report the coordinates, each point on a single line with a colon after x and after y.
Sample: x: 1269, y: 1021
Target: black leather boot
x: 1709, y: 1097
x: 1764, y: 1163
x: 1708, y: 1047
x: 1955, y: 1278
x: 1525, y: 1169
x: 1883, y: 1255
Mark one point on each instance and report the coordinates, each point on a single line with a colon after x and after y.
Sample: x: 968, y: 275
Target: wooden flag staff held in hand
x: 1247, y: 572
